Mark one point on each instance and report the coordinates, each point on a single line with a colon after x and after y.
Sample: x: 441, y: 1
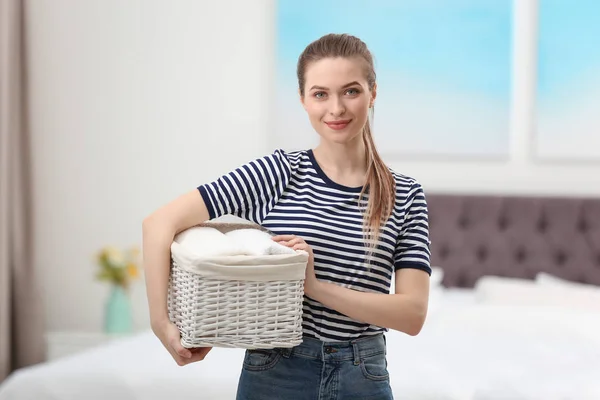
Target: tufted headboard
x: 472, y: 236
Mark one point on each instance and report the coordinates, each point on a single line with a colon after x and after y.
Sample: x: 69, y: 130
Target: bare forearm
x: 394, y: 311
x: 157, y: 239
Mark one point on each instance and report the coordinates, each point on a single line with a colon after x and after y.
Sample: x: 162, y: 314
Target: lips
x: 338, y: 125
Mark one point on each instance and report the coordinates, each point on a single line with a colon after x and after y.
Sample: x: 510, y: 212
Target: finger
x: 180, y: 350
x: 200, y: 350
x: 200, y: 354
x: 285, y: 238
x: 294, y: 242
x: 286, y: 243
x: 177, y: 358
x: 180, y: 360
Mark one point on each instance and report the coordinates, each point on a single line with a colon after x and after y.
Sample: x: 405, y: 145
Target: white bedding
x: 466, y: 351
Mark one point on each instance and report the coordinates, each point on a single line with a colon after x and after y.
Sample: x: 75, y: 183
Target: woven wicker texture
x: 233, y: 312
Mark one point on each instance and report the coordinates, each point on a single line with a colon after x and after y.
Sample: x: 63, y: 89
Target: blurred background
x: 128, y: 104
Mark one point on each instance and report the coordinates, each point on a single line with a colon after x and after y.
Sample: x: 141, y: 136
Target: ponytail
x: 381, y: 189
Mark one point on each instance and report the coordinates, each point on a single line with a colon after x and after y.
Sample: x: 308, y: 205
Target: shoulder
x: 290, y: 160
x: 408, y: 190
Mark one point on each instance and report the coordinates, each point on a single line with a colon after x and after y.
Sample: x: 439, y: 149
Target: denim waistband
x: 356, y: 349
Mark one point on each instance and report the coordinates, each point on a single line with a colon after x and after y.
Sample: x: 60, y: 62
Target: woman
x: 362, y: 224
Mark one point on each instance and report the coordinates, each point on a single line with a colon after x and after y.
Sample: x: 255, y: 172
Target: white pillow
x: 207, y: 242
x: 256, y: 242
x: 571, y: 288
x: 524, y: 292
x: 545, y: 279
x: 501, y: 290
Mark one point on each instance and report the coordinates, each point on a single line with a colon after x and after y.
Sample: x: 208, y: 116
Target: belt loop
x: 356, y: 353
x: 286, y: 352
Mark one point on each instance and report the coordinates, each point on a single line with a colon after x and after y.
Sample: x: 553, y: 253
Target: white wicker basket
x: 246, y: 302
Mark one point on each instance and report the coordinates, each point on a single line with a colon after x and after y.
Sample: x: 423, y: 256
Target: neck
x: 342, y: 159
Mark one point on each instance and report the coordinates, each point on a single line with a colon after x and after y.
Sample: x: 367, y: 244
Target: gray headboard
x: 514, y: 236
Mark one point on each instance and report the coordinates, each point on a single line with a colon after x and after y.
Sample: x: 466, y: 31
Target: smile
x: 338, y: 125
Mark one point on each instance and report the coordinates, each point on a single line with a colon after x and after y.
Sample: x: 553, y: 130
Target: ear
x: 373, y: 95
x: 301, y: 99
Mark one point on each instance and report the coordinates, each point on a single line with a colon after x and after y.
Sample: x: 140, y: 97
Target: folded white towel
x: 208, y: 242
x: 256, y: 242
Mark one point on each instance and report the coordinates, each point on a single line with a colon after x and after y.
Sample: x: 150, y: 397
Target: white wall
x: 136, y: 102
x: 133, y: 103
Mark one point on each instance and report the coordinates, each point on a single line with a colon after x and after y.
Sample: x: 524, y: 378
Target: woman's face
x: 337, y: 98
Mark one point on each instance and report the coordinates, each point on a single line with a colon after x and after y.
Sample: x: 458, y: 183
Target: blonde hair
x: 380, y: 181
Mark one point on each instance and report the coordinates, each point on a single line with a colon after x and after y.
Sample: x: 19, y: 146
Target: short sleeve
x: 251, y: 190
x: 413, y: 246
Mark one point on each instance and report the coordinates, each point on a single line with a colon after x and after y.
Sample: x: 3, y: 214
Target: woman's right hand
x: 158, y: 231
x: 169, y: 335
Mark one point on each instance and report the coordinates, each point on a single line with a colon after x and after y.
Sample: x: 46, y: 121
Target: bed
x: 514, y: 314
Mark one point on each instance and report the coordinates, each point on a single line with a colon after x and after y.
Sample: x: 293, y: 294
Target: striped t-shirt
x: 288, y: 193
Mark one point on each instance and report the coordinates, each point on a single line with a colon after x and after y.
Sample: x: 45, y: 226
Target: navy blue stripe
x: 286, y: 207
x: 318, y: 321
x: 261, y: 172
x: 356, y: 236
x: 307, y: 200
x: 423, y: 267
x: 222, y: 191
x: 247, y: 171
x: 351, y: 239
x: 304, y: 185
x: 249, y: 199
x: 382, y: 277
x: 356, y: 284
x: 206, y: 196
x: 349, y: 258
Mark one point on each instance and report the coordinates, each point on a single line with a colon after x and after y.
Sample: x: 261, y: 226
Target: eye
x: 319, y: 95
x: 353, y: 91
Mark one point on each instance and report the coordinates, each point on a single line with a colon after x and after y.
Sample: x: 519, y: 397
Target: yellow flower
x: 118, y: 266
x: 132, y: 270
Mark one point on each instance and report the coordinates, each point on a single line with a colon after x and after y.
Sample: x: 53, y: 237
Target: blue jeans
x: 317, y: 370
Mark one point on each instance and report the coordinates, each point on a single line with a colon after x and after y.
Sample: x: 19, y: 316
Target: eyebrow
x: 343, y: 87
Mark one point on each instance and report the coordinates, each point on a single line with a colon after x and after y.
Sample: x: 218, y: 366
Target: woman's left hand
x: 297, y: 243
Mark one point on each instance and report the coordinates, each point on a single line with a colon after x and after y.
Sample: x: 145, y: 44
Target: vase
x: 118, y: 313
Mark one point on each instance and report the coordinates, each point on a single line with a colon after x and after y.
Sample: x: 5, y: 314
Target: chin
x: 340, y: 137
x: 339, y: 140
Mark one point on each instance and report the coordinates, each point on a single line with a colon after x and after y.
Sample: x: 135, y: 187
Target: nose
x: 337, y: 107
